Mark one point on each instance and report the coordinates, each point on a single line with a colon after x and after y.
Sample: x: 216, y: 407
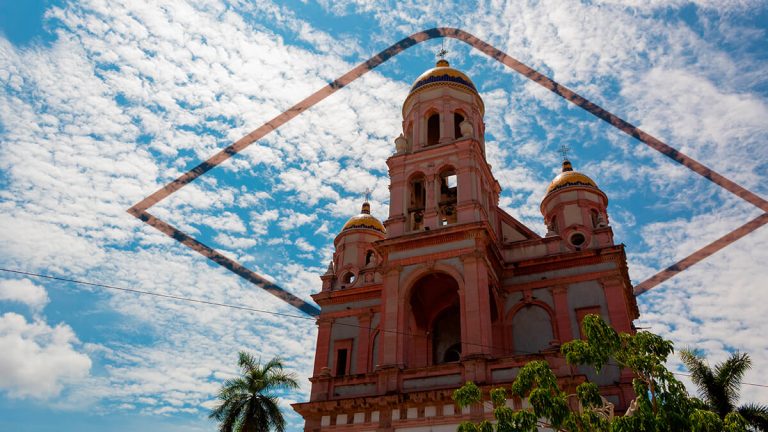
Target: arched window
x: 457, y: 119
x: 349, y: 278
x: 416, y: 202
x: 449, y: 188
x: 433, y: 129
x: 531, y: 330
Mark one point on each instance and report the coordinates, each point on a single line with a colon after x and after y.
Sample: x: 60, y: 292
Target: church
x: 451, y: 288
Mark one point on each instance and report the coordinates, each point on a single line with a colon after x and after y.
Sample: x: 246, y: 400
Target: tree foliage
x: 662, y: 403
x: 248, y: 403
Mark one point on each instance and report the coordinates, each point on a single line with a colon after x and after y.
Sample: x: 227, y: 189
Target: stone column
x: 431, y: 206
x: 398, y: 199
x: 363, y: 343
x: 563, y: 313
x: 390, y: 338
x: 618, y: 312
x: 445, y: 134
x: 476, y: 332
x: 323, y: 344
x: 616, y: 301
x: 467, y: 193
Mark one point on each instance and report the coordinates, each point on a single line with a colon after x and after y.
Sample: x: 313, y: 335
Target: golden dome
x: 443, y: 75
x: 569, y: 178
x: 364, y: 221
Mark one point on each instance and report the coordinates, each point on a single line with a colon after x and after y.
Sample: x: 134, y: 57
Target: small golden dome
x: 443, y: 75
x: 569, y: 178
x: 364, y: 221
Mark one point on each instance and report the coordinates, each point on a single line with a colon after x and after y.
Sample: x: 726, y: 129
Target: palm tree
x: 248, y: 402
x: 719, y: 387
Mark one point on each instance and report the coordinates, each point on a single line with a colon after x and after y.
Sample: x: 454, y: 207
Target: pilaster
x: 476, y: 332
x: 563, y: 313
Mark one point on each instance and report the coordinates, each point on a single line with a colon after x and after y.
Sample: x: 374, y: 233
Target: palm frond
x: 233, y: 419
x: 756, y: 415
x: 702, y: 376
x: 275, y: 363
x: 272, y: 407
x: 284, y: 380
x: 246, y: 361
x: 730, y: 373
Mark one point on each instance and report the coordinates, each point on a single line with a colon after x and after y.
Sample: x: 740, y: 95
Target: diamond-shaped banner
x: 140, y: 210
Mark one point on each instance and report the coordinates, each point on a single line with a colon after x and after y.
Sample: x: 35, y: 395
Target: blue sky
x: 104, y: 102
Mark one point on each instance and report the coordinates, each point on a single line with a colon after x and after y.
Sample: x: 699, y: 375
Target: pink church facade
x: 451, y: 288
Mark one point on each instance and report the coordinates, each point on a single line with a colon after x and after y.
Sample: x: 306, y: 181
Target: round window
x: 578, y: 239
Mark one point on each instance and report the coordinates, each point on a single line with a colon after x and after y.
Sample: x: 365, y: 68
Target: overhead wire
x: 280, y: 314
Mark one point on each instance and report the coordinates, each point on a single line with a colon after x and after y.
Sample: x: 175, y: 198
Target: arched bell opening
x: 458, y: 117
x: 449, y: 192
x: 433, y: 129
x: 417, y: 200
x: 435, y: 321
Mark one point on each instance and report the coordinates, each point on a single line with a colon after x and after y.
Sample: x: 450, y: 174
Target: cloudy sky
x: 103, y: 102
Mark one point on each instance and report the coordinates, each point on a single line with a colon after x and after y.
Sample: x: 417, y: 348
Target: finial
x: 441, y: 54
x: 366, y: 209
x: 566, y: 163
x: 442, y: 51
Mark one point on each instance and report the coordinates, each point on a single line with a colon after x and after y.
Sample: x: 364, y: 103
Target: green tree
x: 719, y: 387
x: 662, y: 403
x: 248, y: 403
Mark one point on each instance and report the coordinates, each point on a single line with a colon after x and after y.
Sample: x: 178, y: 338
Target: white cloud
x: 303, y: 245
x: 260, y: 221
x: 24, y: 291
x: 292, y: 219
x: 38, y: 360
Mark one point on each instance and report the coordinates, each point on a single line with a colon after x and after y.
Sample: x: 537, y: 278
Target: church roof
x: 570, y: 178
x: 364, y: 221
x: 443, y: 75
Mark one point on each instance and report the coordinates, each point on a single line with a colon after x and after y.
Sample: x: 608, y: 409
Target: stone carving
x: 401, y: 144
x: 551, y: 229
x: 601, y: 222
x: 466, y: 129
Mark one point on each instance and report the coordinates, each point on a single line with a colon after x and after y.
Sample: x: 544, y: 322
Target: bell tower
x: 438, y: 174
x: 443, y: 200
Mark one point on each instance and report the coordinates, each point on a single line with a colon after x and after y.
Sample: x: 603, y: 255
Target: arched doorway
x: 435, y: 321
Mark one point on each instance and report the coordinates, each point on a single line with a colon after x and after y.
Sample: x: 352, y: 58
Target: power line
x: 303, y: 317
x: 156, y: 294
